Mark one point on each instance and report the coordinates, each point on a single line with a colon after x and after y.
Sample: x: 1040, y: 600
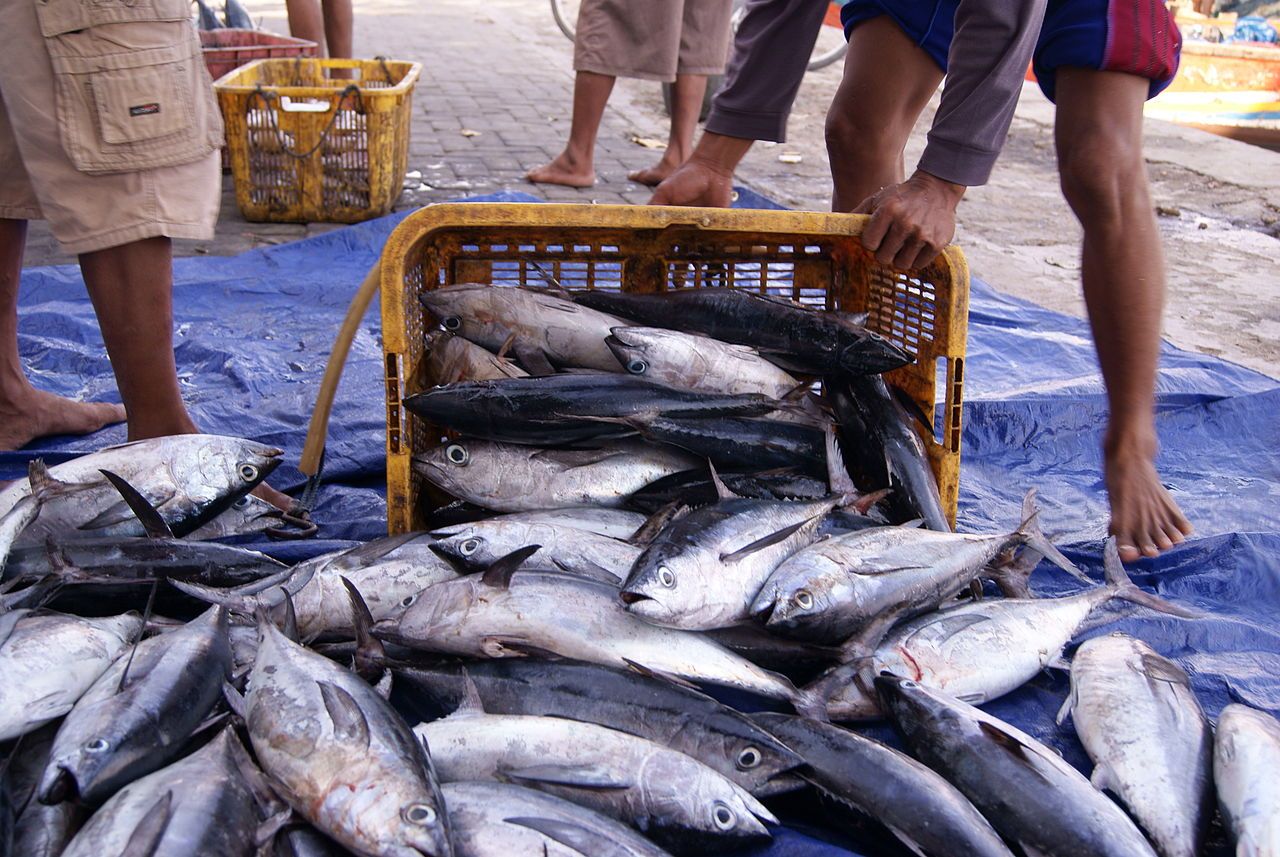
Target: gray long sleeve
x: 993, y: 43
x: 770, y: 54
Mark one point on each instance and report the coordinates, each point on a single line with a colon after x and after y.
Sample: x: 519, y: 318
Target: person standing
x: 328, y: 23
x: 672, y: 41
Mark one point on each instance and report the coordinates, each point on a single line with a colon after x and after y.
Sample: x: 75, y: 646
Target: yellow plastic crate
x: 308, y: 147
x: 814, y: 258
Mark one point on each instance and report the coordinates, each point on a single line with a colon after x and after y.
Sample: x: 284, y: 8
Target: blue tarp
x: 253, y: 332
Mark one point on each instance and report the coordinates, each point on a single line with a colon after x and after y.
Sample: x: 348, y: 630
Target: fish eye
x: 97, y: 745
x: 666, y: 577
x: 749, y: 758
x: 908, y: 685
x: 723, y: 816
x: 241, y: 503
x: 248, y: 472
x: 636, y: 366
x: 452, y: 323
x: 469, y: 547
x: 457, y: 453
x: 408, y: 600
x: 420, y: 814
x: 804, y: 599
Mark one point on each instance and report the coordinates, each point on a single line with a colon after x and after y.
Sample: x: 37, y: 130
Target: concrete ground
x: 494, y: 101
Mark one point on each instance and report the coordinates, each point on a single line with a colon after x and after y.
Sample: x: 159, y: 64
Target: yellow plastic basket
x: 809, y: 257
x: 306, y: 146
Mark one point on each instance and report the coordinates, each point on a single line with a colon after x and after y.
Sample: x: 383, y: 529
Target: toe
x: 1128, y: 553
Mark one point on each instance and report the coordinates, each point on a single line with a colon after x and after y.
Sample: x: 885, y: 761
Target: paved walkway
x: 502, y: 70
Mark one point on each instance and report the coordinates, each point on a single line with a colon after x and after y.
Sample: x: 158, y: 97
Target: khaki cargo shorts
x: 652, y: 39
x: 108, y: 124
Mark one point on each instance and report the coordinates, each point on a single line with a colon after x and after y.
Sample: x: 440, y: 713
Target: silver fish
x: 500, y: 820
x: 447, y: 359
x: 482, y: 543
x: 189, y: 479
x: 694, y: 362
x: 245, y: 517
x: 547, y: 329
x: 40, y: 831
x: 1150, y: 743
x: 1246, y: 758
x: 136, y: 716
x: 344, y: 759
x: 666, y: 794
x: 510, y: 478
x: 614, y: 523
x: 49, y: 660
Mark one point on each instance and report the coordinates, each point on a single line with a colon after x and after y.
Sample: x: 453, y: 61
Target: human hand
x: 911, y: 222
x: 696, y: 182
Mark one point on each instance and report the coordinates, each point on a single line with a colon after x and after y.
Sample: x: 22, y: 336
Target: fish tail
x: 811, y: 703
x: 1123, y: 587
x: 1030, y: 534
x: 837, y: 473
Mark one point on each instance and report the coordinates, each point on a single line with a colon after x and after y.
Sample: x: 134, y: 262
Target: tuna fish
x: 1246, y: 758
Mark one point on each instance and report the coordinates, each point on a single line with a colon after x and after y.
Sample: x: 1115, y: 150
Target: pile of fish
x: 662, y: 569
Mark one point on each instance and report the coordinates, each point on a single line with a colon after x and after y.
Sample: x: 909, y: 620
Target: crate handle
x: 265, y: 97
x: 288, y: 105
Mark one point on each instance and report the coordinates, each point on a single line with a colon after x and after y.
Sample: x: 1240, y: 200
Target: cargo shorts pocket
x: 131, y: 88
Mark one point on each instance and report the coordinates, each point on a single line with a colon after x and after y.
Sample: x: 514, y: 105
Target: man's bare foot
x: 696, y: 182
x: 564, y: 170
x: 33, y: 414
x: 656, y: 174
x: 1144, y: 518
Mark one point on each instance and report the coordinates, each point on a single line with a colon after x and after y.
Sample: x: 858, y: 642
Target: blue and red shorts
x: 1136, y: 37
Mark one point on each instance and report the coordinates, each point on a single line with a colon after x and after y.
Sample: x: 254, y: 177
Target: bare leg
x: 575, y: 166
x: 887, y: 81
x: 686, y: 104
x: 25, y: 412
x: 1104, y: 178
x: 306, y: 21
x: 339, y: 26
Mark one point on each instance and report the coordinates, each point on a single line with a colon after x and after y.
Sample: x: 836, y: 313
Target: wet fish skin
x: 39, y: 830
x: 1032, y: 797
x: 514, y: 478
x: 246, y: 516
x: 190, y: 479
x: 793, y: 336
x: 556, y: 330
x: 197, y: 805
x: 479, y: 545
x: 1246, y: 758
x: 613, y: 523
x: 12, y: 523
x: 915, y: 803
x: 49, y: 660
x: 741, y: 443
x: 344, y: 758
x: 448, y: 359
x: 500, y: 819
x: 694, y: 488
x: 646, y: 706
x: 115, y: 734
x: 127, y: 559
x: 694, y: 362
x: 1151, y: 745
x: 674, y: 799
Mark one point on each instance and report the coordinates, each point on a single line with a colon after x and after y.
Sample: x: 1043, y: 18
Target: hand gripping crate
x: 814, y: 258
x: 306, y: 146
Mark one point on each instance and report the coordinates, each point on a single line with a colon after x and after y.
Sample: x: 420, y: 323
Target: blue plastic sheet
x: 253, y: 333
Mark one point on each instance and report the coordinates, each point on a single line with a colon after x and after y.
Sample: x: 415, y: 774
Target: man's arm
x: 912, y: 222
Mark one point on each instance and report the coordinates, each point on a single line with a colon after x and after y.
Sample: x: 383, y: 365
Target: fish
x: 38, y: 830
x: 1246, y: 758
x: 920, y: 808
x: 1151, y: 745
x: 478, y: 545
x: 739, y: 443
x: 504, y: 614
x: 513, y: 478
x: 613, y: 523
x: 545, y: 330
x: 48, y: 661
x: 694, y: 488
x: 447, y: 359
x: 237, y: 16
x: 980, y: 651
x: 674, y: 799
x: 867, y: 581
x: 883, y: 448
x: 694, y: 362
x: 198, y: 805
x: 343, y: 758
x: 134, y: 719
x: 21, y: 515
x: 190, y: 479
x: 791, y: 335
x: 501, y: 819
x: 562, y: 409
x: 208, y: 18
x: 127, y: 560
x: 629, y: 700
x: 246, y: 517
x: 1033, y: 798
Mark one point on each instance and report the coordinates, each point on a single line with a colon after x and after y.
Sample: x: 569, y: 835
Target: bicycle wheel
x: 566, y: 14
x: 831, y: 44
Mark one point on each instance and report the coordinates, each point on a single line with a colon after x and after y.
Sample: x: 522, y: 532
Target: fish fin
x: 572, y: 836
x: 505, y: 348
x: 1058, y: 662
x: 655, y: 523
x: 370, y: 655
x: 768, y: 541
x: 290, y: 628
x: 911, y: 406
x: 1162, y: 669
x: 586, y: 569
x: 533, y: 360
x: 1101, y: 778
x: 210, y: 722
x: 471, y: 702
x: 267, y: 830
x: 146, y: 836
x: 1123, y: 587
x: 1065, y: 711
x: 722, y: 490
x: 349, y: 723
x: 837, y: 473
x: 907, y: 842
x: 1030, y: 534
x: 862, y: 503
x: 499, y: 574
x: 384, y: 685
x: 1004, y: 740
x: 670, y: 678
x: 44, y: 483
x: 593, y: 777
x: 370, y: 552
x: 153, y: 524
x: 133, y: 650
x: 118, y: 513
x: 235, y: 700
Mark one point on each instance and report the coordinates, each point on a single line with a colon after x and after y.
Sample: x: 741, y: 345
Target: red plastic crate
x: 227, y: 50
